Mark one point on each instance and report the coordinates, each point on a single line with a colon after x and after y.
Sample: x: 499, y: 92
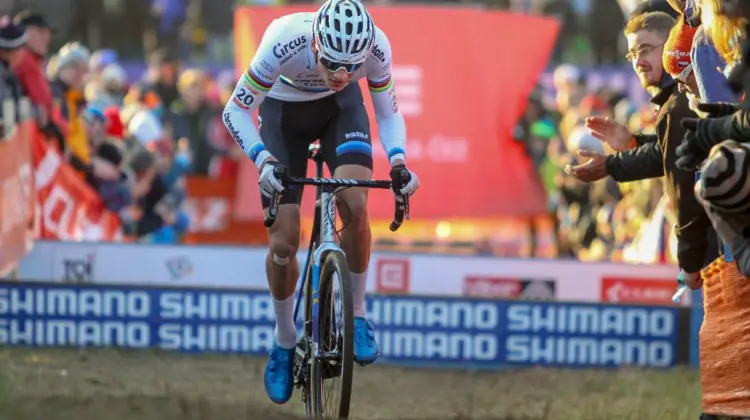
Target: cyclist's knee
x: 352, y: 205
x: 352, y: 202
x: 283, y: 236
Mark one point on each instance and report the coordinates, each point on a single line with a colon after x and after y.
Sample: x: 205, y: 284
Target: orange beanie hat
x: 677, y: 49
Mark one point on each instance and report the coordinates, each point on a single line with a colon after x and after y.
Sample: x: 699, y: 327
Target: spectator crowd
x: 132, y: 143
x: 602, y: 135
x: 593, y: 222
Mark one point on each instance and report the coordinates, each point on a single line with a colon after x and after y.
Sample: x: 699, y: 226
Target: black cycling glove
x: 696, y: 145
x: 400, y: 176
x: 719, y: 109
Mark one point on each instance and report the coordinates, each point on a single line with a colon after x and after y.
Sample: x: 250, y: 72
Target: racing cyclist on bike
x: 303, y: 79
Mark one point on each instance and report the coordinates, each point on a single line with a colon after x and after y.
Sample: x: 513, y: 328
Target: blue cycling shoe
x: 278, y: 378
x: 365, y: 348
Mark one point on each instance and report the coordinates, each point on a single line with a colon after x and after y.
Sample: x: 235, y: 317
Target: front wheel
x: 333, y: 368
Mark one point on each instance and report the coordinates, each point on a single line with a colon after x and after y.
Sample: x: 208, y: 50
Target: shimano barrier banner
x: 411, y: 330
x: 485, y: 332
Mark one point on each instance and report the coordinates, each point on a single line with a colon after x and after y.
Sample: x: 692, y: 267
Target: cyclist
x: 303, y: 80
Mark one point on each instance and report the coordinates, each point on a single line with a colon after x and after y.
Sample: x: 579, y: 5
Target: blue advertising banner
x: 413, y: 330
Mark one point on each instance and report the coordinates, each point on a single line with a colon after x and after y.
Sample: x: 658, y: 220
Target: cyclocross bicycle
x: 325, y: 353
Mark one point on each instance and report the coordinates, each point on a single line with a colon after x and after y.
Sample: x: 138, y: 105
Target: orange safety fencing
x: 724, y: 340
x: 16, y: 196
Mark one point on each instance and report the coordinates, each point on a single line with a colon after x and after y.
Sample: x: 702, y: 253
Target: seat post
x: 316, y: 155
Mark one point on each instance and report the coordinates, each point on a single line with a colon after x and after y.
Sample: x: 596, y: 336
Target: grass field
x: 145, y: 385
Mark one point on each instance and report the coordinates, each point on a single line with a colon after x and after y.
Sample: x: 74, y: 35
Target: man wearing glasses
x: 303, y: 80
x: 658, y: 50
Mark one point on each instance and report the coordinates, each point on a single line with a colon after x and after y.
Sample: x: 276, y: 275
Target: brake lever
x: 402, y: 203
x: 405, y: 176
x: 273, y: 209
x: 406, y: 207
x: 398, y: 218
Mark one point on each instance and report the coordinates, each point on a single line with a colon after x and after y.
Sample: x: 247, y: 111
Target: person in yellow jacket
x: 70, y: 73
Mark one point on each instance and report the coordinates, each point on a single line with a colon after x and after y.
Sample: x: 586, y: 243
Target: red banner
x: 637, y: 291
x: 67, y: 208
x: 16, y: 196
x: 209, y: 206
x: 461, y: 81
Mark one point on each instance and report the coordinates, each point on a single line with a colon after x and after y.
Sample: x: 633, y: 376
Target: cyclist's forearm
x: 393, y: 136
x: 237, y: 118
x: 240, y: 125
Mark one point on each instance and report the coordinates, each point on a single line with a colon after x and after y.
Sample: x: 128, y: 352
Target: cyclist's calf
x: 283, y: 242
x: 352, y: 208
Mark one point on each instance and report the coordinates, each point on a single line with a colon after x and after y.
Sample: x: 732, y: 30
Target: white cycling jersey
x: 285, y: 68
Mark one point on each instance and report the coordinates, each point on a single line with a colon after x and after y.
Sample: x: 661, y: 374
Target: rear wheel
x: 333, y: 369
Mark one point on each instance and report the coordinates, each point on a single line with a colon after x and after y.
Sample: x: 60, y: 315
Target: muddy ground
x: 48, y: 384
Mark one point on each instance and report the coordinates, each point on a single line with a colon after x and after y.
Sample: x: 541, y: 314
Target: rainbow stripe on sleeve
x: 255, y: 81
x: 382, y: 86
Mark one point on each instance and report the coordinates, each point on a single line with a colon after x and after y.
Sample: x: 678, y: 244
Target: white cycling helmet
x: 344, y: 31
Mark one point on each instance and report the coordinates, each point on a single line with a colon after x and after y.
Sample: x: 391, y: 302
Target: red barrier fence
x: 42, y: 197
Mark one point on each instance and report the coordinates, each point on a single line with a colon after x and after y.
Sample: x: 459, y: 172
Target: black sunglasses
x: 333, y: 66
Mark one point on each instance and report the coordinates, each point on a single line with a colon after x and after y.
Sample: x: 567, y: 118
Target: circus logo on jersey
x: 285, y: 52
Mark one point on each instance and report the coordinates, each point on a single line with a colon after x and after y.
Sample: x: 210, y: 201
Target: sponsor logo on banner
x: 392, y: 275
x: 428, y: 331
x: 182, y: 320
x: 499, y: 287
x: 491, y: 287
x: 637, y: 291
x: 74, y: 264
x: 78, y: 270
x: 590, y: 335
x: 179, y: 267
x: 538, y: 290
